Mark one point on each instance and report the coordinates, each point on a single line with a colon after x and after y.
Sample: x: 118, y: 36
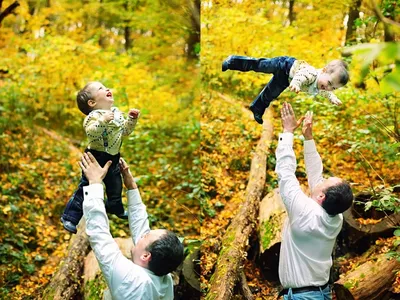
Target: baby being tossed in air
x: 298, y: 75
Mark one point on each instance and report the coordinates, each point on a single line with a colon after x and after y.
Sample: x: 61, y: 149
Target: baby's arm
x: 130, y: 122
x: 305, y: 76
x: 331, y: 97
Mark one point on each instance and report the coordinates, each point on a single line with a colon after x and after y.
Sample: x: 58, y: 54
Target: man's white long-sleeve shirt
x: 125, y: 279
x: 309, y: 233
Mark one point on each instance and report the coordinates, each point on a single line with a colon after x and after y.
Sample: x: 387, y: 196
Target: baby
x: 298, y: 75
x: 104, y: 126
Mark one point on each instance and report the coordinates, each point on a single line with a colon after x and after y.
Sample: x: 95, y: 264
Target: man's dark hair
x: 82, y: 99
x: 166, y: 254
x: 338, y: 198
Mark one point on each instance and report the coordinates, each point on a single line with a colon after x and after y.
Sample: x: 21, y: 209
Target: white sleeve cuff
x: 93, y: 191
x: 134, y: 197
x: 286, y: 138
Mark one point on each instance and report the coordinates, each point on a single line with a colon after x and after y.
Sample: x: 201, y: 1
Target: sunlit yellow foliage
x: 352, y: 139
x: 46, y: 55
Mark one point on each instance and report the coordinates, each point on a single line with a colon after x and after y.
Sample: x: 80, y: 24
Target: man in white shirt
x: 156, y: 252
x: 313, y: 222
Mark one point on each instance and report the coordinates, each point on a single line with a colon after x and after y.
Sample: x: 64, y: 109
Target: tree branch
x: 194, y: 7
x: 244, y: 287
x: 381, y: 17
x: 8, y: 10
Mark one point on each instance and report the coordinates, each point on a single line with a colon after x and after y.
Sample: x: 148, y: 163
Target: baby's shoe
x: 225, y: 63
x: 69, y: 226
x: 124, y: 215
x: 258, y: 114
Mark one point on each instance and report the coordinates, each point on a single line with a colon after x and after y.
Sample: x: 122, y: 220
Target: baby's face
x: 101, y: 95
x: 329, y: 82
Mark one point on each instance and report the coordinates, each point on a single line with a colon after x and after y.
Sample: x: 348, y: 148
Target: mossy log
x: 235, y: 240
x: 271, y: 219
x: 67, y: 281
x: 371, y: 280
x: 188, y: 274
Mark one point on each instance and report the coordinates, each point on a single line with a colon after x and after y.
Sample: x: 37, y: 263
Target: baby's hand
x: 294, y: 88
x: 134, y: 113
x: 108, y: 116
x: 336, y: 101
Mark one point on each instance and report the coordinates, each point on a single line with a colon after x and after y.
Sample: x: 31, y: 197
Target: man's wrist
x: 95, y: 181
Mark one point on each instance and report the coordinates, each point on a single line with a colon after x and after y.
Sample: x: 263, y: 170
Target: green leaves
x: 388, y: 55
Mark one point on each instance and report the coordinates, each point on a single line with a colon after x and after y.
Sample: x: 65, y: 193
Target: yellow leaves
x: 122, y: 233
x: 396, y: 284
x: 6, y: 209
x: 368, y: 221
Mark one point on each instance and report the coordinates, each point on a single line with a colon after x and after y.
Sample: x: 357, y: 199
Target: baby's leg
x: 73, y: 211
x: 271, y: 91
x: 262, y: 65
x: 113, y: 183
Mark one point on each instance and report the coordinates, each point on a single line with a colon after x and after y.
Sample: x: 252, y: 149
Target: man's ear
x: 320, y: 198
x: 145, y: 257
x: 91, y: 102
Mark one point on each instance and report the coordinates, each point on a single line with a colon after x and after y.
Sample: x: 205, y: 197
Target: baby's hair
x: 340, y: 66
x: 84, y: 95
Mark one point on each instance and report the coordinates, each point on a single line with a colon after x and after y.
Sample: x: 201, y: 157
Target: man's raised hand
x: 91, y: 168
x: 307, y: 126
x: 127, y: 176
x: 289, y: 122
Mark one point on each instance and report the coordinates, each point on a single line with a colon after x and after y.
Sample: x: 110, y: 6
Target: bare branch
x: 8, y: 10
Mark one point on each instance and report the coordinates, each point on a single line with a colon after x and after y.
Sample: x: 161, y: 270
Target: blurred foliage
x: 48, y: 51
x: 358, y: 141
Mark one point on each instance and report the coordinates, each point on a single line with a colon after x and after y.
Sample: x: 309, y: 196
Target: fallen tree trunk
x: 359, y: 235
x: 387, y: 223
x: 271, y: 219
x: 66, y: 282
x: 370, y: 281
x: 235, y: 240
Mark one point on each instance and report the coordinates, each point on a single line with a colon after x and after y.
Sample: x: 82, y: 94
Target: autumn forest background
x: 193, y: 148
x: 358, y: 141
x: 147, y: 53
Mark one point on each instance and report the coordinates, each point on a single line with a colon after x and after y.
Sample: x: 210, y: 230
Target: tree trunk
x: 244, y: 287
x: 388, y: 34
x: 67, y: 281
x: 370, y: 281
x: 291, y: 12
x: 387, y: 223
x: 271, y: 220
x: 235, y: 240
x: 354, y: 13
x: 127, y: 30
x: 194, y: 34
x: 128, y: 40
